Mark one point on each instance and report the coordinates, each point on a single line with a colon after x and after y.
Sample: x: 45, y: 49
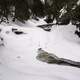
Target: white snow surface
x: 18, y: 56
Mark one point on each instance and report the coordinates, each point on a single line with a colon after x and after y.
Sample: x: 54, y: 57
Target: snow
x: 78, y: 2
x: 18, y: 56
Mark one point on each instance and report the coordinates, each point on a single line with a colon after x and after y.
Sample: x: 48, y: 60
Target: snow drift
x: 18, y: 56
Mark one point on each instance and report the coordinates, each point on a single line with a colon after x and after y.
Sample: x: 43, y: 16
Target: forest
x: 63, y: 11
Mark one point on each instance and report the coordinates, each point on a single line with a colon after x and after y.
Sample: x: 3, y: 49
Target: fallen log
x: 46, y: 25
x: 53, y: 59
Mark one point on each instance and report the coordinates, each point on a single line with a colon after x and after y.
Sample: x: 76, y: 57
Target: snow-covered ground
x: 18, y: 56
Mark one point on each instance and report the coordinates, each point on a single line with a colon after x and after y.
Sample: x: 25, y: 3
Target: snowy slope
x: 18, y: 57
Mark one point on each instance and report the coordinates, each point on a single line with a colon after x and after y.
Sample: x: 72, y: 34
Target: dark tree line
x: 24, y: 9
x: 21, y: 9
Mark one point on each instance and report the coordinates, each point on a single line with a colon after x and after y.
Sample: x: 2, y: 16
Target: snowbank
x: 18, y: 57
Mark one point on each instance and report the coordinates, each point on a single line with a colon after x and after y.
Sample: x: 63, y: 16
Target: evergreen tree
x: 37, y: 8
x: 21, y: 10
